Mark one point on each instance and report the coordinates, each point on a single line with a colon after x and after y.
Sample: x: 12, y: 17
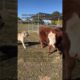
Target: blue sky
x: 35, y: 6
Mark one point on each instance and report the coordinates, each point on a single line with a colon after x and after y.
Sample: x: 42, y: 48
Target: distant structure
x: 47, y: 22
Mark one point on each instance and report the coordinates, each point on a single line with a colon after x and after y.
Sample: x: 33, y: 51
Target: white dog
x: 22, y: 36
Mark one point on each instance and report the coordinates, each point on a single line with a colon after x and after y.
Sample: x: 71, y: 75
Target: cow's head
x: 52, y: 40
x: 56, y: 39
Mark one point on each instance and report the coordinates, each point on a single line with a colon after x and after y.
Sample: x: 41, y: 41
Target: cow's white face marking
x: 52, y: 39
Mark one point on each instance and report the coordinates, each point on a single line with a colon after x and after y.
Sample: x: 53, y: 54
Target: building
x: 47, y: 22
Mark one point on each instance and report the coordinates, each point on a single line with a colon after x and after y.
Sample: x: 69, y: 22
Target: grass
x: 35, y: 62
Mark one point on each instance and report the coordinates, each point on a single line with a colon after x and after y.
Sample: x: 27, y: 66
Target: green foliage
x: 36, y: 20
x: 18, y: 18
x: 56, y: 15
x: 55, y: 22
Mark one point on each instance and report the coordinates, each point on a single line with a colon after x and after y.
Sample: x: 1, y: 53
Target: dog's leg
x: 23, y: 44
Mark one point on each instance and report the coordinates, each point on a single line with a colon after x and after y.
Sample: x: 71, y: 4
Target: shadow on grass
x: 29, y: 43
x: 9, y: 79
x: 32, y: 43
x: 8, y: 52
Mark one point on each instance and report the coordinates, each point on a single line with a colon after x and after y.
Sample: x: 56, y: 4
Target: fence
x: 27, y: 23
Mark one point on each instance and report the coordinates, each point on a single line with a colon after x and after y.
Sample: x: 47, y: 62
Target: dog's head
x: 26, y: 33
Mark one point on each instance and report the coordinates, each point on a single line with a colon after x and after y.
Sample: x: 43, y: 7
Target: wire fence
x: 26, y: 23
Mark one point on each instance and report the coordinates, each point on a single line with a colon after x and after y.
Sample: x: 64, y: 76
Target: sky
x: 36, y: 6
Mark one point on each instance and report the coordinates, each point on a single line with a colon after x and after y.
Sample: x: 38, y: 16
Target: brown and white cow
x: 54, y: 37
x: 46, y: 35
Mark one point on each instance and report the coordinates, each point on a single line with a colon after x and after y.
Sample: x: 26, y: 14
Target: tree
x: 18, y: 18
x: 56, y: 15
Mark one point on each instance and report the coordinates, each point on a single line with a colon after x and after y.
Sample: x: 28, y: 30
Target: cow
x: 21, y: 36
x: 54, y: 37
x: 71, y: 25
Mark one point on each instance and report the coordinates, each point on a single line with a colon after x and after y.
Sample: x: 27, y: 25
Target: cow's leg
x: 49, y: 46
x: 66, y: 71
x: 41, y: 43
x: 68, y: 66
